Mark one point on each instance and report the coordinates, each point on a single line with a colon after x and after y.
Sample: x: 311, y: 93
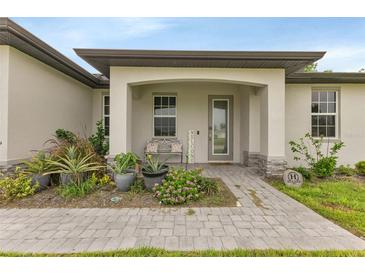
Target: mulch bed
x: 101, y: 198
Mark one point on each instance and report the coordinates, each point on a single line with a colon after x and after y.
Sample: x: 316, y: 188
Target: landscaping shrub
x: 137, y: 187
x: 345, y: 170
x: 207, y: 185
x: 181, y: 186
x: 324, y: 167
x: 307, y: 174
x: 75, y: 164
x: 321, y: 164
x: 65, y: 136
x: 39, y: 164
x: 123, y: 162
x: 98, y: 140
x: 18, y: 185
x: 360, y: 167
x: 73, y: 189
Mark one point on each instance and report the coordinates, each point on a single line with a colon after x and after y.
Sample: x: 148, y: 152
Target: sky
x: 342, y: 38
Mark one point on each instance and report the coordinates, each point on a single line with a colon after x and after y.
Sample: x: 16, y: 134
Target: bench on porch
x: 164, y: 146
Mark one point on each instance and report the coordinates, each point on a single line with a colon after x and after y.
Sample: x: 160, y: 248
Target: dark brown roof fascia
x: 204, y: 54
x: 326, y: 78
x: 12, y: 34
x: 102, y: 59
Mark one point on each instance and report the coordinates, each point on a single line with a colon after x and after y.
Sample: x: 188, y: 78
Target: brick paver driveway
x: 266, y: 219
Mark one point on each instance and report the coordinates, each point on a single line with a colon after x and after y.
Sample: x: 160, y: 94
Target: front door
x: 220, y: 128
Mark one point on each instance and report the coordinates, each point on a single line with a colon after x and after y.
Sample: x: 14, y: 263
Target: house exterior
x: 241, y: 106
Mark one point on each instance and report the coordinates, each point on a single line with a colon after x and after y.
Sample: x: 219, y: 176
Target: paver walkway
x: 266, y: 219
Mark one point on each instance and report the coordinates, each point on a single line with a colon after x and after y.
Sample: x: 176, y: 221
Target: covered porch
x: 233, y: 101
x: 216, y: 120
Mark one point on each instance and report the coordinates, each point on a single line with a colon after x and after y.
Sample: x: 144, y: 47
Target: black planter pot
x: 151, y: 179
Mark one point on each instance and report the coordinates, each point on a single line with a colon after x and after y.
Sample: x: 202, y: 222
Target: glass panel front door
x: 220, y: 126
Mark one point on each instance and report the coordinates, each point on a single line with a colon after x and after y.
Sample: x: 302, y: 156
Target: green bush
x: 345, y: 170
x: 360, y: 167
x: 181, y: 186
x: 65, y: 136
x: 124, y: 161
x: 306, y: 173
x: 17, y: 186
x: 324, y: 167
x: 98, y: 140
x: 310, y: 149
x: 137, y: 187
x: 88, y: 186
x: 208, y: 186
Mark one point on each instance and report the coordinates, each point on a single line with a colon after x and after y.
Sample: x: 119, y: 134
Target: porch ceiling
x: 291, y: 61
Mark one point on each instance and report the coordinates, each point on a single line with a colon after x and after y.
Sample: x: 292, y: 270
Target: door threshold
x: 220, y: 162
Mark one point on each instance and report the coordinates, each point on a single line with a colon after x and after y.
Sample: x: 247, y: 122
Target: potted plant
x: 124, y: 170
x: 154, y: 171
x: 74, y: 166
x: 38, y: 167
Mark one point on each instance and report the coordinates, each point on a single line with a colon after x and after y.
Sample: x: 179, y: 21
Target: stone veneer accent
x: 272, y: 166
x: 268, y: 166
x: 251, y: 159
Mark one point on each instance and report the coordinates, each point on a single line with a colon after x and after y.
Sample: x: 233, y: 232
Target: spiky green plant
x: 153, y: 165
x: 74, y: 164
x: 39, y: 164
x: 124, y: 161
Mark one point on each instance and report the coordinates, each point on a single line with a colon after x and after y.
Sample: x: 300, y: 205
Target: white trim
x: 168, y: 116
x: 106, y: 115
x: 336, y: 114
x: 227, y: 125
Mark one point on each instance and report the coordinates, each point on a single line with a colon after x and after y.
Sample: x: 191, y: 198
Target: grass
x: 155, y: 252
x: 342, y: 201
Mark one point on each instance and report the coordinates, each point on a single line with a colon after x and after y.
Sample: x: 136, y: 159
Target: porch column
x: 253, y: 149
x: 120, y: 139
x: 272, y: 160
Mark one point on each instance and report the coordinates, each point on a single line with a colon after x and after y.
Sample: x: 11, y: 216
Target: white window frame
x: 171, y: 116
x: 228, y: 128
x: 337, y: 92
x: 106, y: 115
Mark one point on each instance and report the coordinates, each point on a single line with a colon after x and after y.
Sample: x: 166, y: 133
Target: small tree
x: 311, y: 67
x: 98, y: 140
x: 310, y: 150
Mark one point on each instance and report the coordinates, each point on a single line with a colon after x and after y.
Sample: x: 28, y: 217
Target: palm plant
x: 75, y: 164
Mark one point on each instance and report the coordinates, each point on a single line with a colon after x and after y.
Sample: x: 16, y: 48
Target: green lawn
x: 155, y: 252
x: 342, y: 201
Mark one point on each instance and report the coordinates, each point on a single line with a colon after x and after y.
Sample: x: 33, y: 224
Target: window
x: 164, y: 116
x: 324, y: 113
x: 106, y: 113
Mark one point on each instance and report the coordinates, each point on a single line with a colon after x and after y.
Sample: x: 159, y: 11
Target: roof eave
x: 102, y: 59
x: 13, y: 35
x: 326, y: 78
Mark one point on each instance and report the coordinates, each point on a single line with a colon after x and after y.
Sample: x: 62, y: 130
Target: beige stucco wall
x: 4, y: 76
x: 124, y: 79
x: 41, y: 100
x: 192, y: 113
x: 351, y: 111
